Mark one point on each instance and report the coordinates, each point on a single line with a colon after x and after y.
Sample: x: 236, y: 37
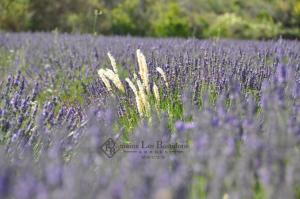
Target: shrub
x: 171, y: 22
x: 230, y: 25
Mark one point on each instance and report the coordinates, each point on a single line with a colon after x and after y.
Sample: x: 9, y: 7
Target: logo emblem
x: 110, y: 148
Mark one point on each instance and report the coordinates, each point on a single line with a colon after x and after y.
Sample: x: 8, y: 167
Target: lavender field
x: 234, y: 104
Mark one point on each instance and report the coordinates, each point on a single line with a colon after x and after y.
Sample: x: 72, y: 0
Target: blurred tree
x: 14, y: 14
x: 170, y: 21
x: 228, y: 25
x: 50, y: 14
x: 284, y: 12
x: 131, y: 17
x: 296, y: 12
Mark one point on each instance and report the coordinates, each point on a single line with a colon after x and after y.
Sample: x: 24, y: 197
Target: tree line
x: 255, y: 19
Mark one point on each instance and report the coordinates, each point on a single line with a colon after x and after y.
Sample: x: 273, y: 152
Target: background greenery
x: 255, y: 19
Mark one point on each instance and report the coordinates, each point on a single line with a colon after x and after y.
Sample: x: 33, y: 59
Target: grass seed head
x: 132, y: 86
x: 138, y: 99
x: 113, y: 62
x: 156, y: 93
x: 115, y: 79
x: 139, y: 105
x: 226, y: 196
x: 143, y: 69
x: 143, y: 97
x: 104, y: 79
x: 163, y: 74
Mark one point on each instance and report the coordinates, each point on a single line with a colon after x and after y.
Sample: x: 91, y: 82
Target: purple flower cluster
x: 241, y: 119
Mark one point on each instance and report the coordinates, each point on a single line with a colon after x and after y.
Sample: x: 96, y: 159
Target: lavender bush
x: 235, y: 103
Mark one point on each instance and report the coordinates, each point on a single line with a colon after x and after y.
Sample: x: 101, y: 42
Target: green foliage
x: 198, y: 188
x: 171, y: 22
x: 259, y: 192
x: 69, y: 91
x: 122, y: 22
x: 128, y: 121
x: 6, y: 60
x: 131, y: 17
x: 230, y: 25
x: 264, y: 29
x: 14, y: 14
x: 171, y: 104
x: 297, y: 191
x: 50, y: 14
x: 209, y: 91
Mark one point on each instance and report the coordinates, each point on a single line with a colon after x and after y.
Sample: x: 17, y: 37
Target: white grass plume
x: 142, y: 90
x: 115, y: 79
x: 163, y: 75
x: 104, y: 79
x: 156, y: 93
x: 113, y: 62
x: 138, y: 99
x: 144, y: 98
x: 131, y: 85
x: 143, y: 69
